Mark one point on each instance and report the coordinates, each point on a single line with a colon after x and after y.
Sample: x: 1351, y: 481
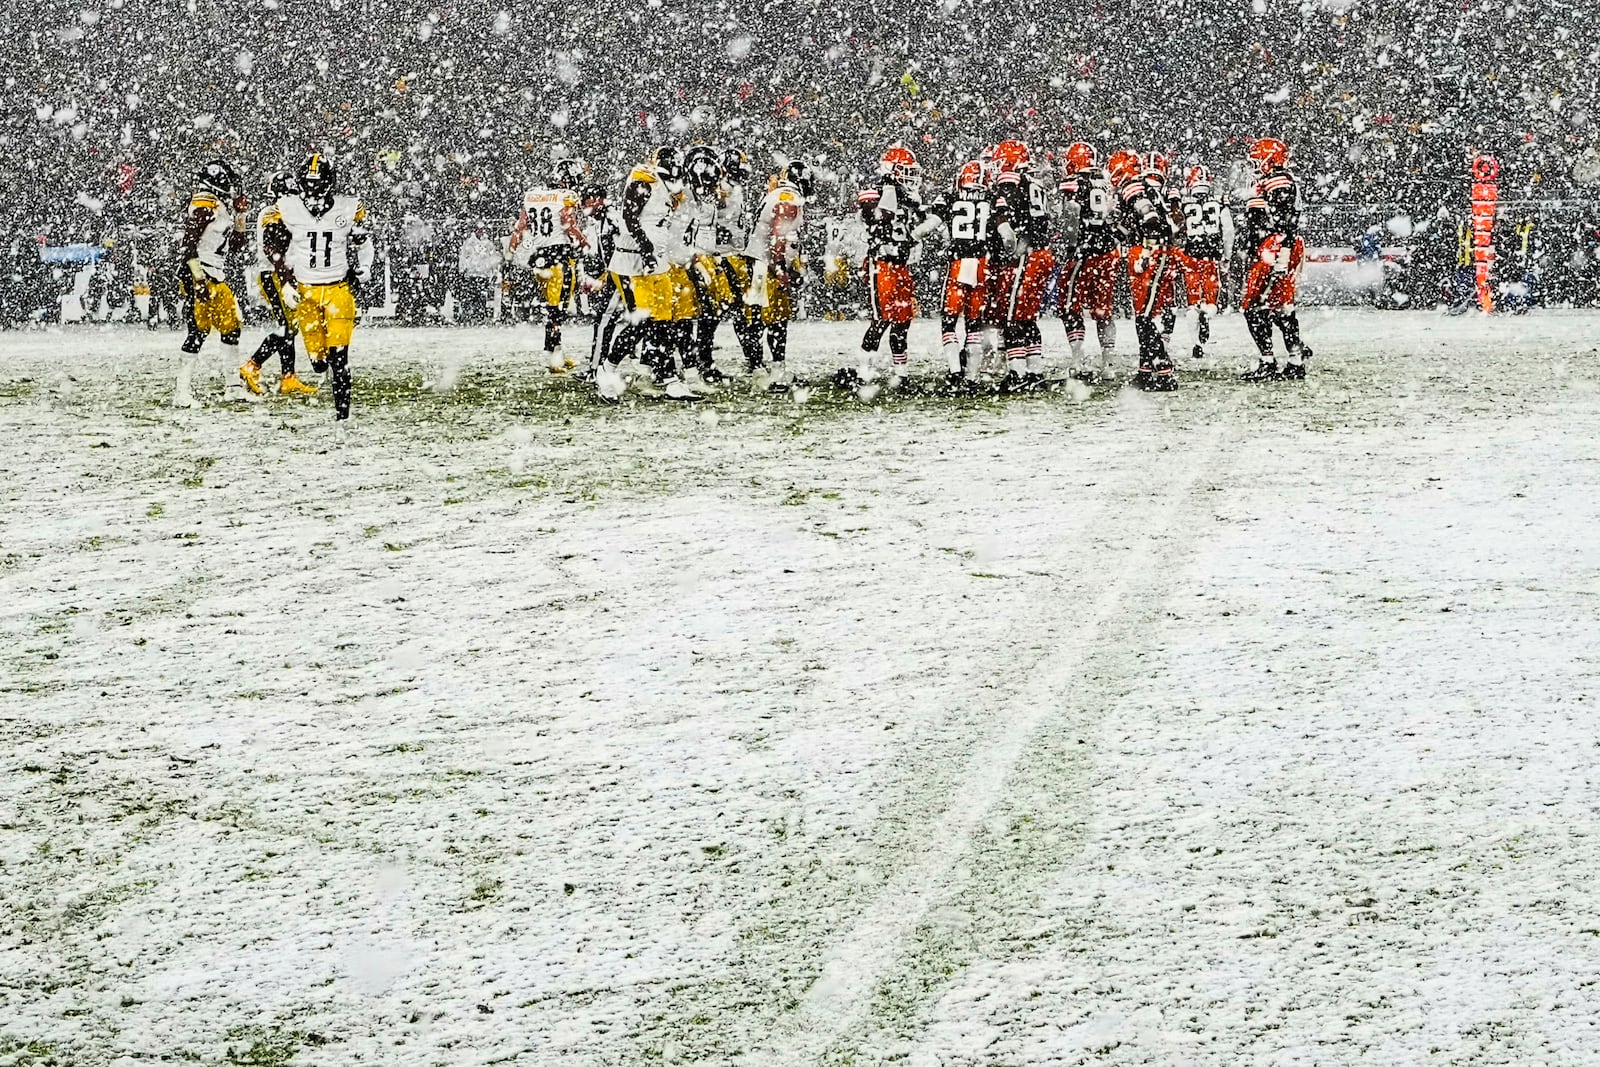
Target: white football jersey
x: 663, y: 227
x: 700, y: 218
x: 732, y: 225
x: 549, y: 220
x: 213, y: 247
x: 779, y: 219
x: 319, y: 245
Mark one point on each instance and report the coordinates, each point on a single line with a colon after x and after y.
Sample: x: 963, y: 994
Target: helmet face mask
x: 736, y: 165
x: 900, y: 163
x: 701, y: 169
x: 1156, y: 166
x: 317, y: 179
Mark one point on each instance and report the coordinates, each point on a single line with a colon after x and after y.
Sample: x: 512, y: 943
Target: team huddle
x: 679, y: 252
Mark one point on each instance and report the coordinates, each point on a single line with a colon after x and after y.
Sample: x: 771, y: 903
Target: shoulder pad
x: 640, y: 174
x: 205, y: 200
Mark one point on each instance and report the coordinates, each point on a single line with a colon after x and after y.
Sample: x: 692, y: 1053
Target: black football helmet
x: 219, y: 177
x: 798, y: 174
x: 701, y: 169
x: 317, y: 178
x: 736, y: 165
x: 668, y: 164
x: 569, y: 173
x: 281, y: 183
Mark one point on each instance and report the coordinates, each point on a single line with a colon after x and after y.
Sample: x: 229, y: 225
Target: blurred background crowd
x: 442, y: 114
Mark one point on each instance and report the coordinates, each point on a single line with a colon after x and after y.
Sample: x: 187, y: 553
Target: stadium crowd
x: 441, y: 115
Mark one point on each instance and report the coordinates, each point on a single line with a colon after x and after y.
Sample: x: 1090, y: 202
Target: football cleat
x: 609, y: 383
x: 291, y: 385
x: 1294, y: 372
x: 250, y: 375
x: 1266, y: 371
x: 678, y: 389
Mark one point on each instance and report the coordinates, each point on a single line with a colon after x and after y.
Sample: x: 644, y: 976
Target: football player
x: 775, y: 265
x: 309, y: 237
x: 653, y: 291
x: 967, y: 213
x: 1024, y: 249
x: 1149, y: 260
x: 213, y: 227
x: 548, y: 239
x: 1089, y: 278
x: 702, y: 170
x: 733, y: 236
x: 1269, y: 287
x: 279, y: 341
x: 1207, y: 244
x: 890, y: 205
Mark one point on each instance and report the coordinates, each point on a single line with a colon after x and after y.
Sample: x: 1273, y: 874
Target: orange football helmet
x: 1124, y: 166
x: 972, y: 175
x: 1197, y: 175
x: 1011, y: 156
x: 1081, y: 156
x: 1156, y: 163
x: 1269, y: 152
x: 900, y: 162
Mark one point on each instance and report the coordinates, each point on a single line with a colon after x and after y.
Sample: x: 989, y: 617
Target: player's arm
x: 275, y: 241
x: 519, y: 229
x: 200, y: 217
x: 572, y: 224
x: 361, y: 240
x: 634, y: 198
x: 937, y: 216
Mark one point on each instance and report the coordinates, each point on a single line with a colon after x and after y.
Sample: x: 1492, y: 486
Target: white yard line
x: 866, y: 952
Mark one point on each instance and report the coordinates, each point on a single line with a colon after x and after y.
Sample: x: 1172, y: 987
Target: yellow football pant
x: 326, y: 316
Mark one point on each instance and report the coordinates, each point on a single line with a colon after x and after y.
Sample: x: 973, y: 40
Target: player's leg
x: 196, y: 311
x: 953, y: 304
x: 339, y: 316
x: 229, y: 324
x: 1258, y: 320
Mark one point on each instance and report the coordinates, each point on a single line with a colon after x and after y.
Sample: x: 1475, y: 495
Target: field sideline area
x: 1238, y: 725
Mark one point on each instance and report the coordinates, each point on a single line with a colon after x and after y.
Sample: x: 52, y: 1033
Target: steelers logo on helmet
x: 736, y: 165
x: 798, y: 174
x: 569, y: 173
x: 317, y: 179
x: 701, y: 169
x: 219, y: 177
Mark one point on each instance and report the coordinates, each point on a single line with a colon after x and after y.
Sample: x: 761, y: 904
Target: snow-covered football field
x: 1241, y: 725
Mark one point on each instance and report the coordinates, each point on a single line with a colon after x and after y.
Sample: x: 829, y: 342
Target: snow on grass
x: 1237, y: 725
